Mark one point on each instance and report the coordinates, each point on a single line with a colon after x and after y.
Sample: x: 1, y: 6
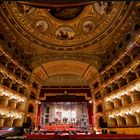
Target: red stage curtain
x: 90, y: 113
x: 39, y: 114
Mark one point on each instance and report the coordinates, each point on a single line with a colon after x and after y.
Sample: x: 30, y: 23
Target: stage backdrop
x: 64, y: 113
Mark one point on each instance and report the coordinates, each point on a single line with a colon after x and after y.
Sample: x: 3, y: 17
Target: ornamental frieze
x: 92, y: 24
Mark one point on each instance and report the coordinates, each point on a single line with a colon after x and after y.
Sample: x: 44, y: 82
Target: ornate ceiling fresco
x: 66, y: 80
x: 51, y: 37
x: 67, y: 29
x: 74, y: 68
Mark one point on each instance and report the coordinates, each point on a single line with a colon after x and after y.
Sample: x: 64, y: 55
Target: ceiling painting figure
x: 42, y: 25
x: 65, y: 33
x: 88, y: 26
x: 103, y: 7
x: 54, y: 27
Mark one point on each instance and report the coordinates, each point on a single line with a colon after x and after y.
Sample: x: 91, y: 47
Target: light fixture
x: 11, y: 95
x: 10, y: 113
x: 90, y: 101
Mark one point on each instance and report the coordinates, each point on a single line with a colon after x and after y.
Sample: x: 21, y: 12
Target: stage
x: 64, y: 115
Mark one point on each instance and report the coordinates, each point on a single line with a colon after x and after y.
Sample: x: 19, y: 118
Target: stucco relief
x: 65, y: 80
x: 61, y: 68
x: 41, y: 25
x: 65, y: 67
x: 25, y: 8
x: 103, y: 22
x: 40, y: 73
x: 88, y: 26
x: 90, y: 74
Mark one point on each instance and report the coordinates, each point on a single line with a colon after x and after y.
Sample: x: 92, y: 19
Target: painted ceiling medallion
x: 63, y: 28
x: 41, y: 25
x: 65, y: 33
x: 103, y: 7
x: 88, y: 26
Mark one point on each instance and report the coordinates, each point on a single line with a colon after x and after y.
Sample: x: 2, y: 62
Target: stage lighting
x: 90, y: 101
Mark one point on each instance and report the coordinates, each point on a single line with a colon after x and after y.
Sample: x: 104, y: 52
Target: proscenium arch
x: 66, y: 80
x: 83, y: 70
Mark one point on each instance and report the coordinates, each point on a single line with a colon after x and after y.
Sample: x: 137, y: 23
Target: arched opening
x: 20, y: 106
x: 8, y: 122
x: 114, y: 86
x: 96, y: 84
x: 7, y: 82
x: 126, y: 60
x: 135, y: 95
x: 117, y: 103
x: 31, y: 108
x: 2, y: 36
x: 29, y: 121
x: 97, y: 96
x: 18, y: 72
x: 15, y: 86
x: 107, y: 90
x: 131, y: 76
x: 99, y: 108
x: 17, y: 123
x: 105, y: 77
x: 119, y: 66
x: 113, y: 122
x: 3, y: 100
x: 12, y: 103
x: 131, y: 120
x: 22, y: 90
x: 109, y: 105
x: 3, y: 60
x: 32, y: 96
x: 121, y: 121
x: 122, y: 82
x: 111, y: 72
x: 102, y: 123
x: 35, y: 85
x: 66, y: 83
x: 126, y: 100
x: 135, y: 52
x: 25, y: 76
x: 11, y: 67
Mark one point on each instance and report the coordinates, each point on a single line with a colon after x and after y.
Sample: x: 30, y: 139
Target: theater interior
x: 69, y: 70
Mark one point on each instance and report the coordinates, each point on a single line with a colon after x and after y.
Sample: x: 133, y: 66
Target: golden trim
x: 56, y: 4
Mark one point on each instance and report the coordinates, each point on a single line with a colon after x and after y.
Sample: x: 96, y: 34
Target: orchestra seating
x: 82, y: 137
x: 62, y: 127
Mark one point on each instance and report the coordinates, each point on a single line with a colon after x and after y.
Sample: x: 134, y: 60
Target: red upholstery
x: 84, y: 137
x: 104, y: 136
x: 62, y: 127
